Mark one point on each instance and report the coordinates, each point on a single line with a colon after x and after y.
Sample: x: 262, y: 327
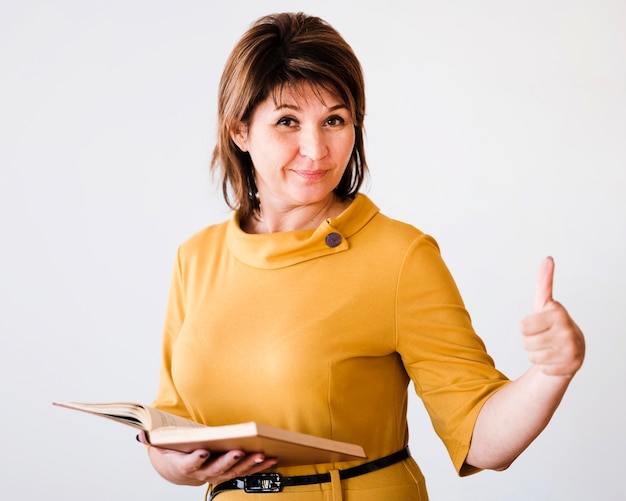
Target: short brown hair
x: 282, y: 50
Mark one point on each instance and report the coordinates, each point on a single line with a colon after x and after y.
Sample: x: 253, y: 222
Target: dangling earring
x: 253, y: 193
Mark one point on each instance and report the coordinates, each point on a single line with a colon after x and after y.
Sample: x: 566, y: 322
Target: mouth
x: 311, y: 175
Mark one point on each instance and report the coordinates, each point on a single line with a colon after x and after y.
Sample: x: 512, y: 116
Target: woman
x: 312, y: 311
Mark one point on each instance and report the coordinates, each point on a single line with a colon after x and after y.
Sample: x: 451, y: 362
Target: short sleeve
x: 444, y: 357
x: 168, y: 398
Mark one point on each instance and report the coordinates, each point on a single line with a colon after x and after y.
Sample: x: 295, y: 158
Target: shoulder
x: 203, y: 241
x: 365, y: 215
x: 401, y: 235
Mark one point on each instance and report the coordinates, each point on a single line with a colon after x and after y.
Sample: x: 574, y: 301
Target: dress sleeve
x: 444, y: 357
x: 168, y: 398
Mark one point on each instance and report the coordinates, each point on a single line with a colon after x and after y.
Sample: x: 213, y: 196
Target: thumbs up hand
x: 553, y: 341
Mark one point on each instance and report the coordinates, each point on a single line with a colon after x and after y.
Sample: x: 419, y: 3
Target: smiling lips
x: 312, y: 175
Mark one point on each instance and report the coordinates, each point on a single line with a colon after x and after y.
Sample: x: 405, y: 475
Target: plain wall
x: 497, y: 127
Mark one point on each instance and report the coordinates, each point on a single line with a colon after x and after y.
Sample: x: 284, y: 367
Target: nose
x: 312, y: 143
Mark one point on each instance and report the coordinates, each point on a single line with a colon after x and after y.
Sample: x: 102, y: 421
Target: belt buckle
x: 262, y: 482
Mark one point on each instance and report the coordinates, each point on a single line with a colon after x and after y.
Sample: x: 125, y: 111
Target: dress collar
x: 281, y: 249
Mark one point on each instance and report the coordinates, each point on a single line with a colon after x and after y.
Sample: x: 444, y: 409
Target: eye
x: 335, y: 121
x: 287, y: 122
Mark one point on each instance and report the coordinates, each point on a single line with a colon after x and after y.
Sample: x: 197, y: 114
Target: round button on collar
x: 333, y: 239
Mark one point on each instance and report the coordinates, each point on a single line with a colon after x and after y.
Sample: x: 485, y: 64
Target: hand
x: 197, y: 467
x: 553, y: 341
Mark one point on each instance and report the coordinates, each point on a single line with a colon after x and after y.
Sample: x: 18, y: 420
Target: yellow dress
x: 321, y: 331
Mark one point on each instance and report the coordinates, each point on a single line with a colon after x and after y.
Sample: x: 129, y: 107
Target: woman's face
x: 300, y: 146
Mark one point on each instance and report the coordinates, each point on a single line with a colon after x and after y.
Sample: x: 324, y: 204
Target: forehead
x: 305, y: 92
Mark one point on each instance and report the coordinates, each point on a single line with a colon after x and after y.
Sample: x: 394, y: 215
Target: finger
x: 250, y: 465
x: 190, y: 462
x: 542, y: 321
x: 262, y: 465
x: 234, y: 464
x: 142, y: 438
x: 543, y: 290
x: 242, y: 462
x: 225, y: 462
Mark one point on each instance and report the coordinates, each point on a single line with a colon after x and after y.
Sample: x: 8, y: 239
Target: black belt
x: 274, y: 482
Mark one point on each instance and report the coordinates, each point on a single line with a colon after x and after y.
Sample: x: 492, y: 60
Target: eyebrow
x: 296, y: 107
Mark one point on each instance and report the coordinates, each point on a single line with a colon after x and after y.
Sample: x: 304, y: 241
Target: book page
x: 162, y: 419
x: 132, y: 414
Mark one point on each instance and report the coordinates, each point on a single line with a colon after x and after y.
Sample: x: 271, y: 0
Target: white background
x: 498, y: 127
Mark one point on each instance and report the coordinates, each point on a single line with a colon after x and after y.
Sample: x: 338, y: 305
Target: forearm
x: 513, y: 417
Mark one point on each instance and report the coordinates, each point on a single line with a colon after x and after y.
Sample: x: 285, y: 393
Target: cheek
x: 271, y: 165
x: 269, y: 151
x: 347, y: 145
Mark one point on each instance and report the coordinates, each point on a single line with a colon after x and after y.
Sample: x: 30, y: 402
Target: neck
x: 301, y: 217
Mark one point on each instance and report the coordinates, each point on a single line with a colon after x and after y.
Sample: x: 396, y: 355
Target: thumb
x: 543, y: 290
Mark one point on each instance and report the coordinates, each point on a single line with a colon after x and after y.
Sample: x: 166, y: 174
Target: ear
x: 239, y: 134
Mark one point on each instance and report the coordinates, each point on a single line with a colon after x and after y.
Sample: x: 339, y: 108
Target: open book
x: 169, y: 431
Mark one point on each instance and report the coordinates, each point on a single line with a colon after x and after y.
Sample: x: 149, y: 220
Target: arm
x: 516, y: 414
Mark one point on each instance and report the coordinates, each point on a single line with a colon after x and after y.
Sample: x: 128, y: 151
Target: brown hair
x: 282, y: 50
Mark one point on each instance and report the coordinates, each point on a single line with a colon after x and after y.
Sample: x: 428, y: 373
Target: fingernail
x: 259, y: 460
x: 237, y: 457
x: 203, y: 455
x: 137, y: 438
